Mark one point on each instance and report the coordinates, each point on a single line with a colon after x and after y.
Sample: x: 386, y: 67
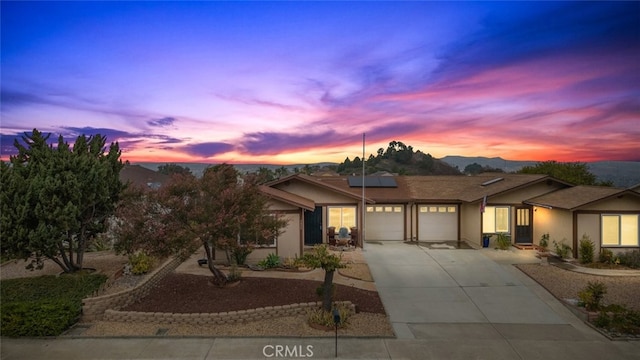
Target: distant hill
x: 623, y: 174
x: 198, y: 168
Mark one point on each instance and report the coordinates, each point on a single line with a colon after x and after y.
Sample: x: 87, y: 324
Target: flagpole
x: 364, y: 205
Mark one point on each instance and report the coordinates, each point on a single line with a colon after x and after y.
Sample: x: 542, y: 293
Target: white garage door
x: 437, y: 222
x: 384, y: 222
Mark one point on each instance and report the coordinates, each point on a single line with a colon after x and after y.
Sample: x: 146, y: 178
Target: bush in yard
x: 45, y: 305
x: 503, y: 241
x: 39, y: 318
x: 607, y: 257
x: 544, y: 242
x: 562, y: 249
x: 272, y: 260
x: 630, y: 258
x: 140, y: 263
x: 234, y: 273
x: 591, y: 296
x: 586, y: 249
x: 240, y: 253
x: 325, y: 318
x: 618, y: 319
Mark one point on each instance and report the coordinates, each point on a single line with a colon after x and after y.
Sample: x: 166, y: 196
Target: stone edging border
x: 231, y: 317
x: 94, y: 308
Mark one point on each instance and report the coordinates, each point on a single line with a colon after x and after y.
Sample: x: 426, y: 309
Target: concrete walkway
x: 444, y: 304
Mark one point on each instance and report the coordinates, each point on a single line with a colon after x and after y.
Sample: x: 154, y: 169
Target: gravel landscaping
x: 565, y: 284
x: 188, y: 293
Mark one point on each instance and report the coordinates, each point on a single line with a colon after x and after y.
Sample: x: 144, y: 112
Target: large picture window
x: 620, y: 230
x: 496, y: 219
x: 342, y: 216
x: 258, y: 238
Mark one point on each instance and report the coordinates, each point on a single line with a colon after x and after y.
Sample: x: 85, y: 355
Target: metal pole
x: 364, y: 205
x: 336, y: 320
x: 336, y: 339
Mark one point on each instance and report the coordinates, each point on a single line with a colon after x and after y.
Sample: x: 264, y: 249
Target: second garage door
x: 437, y: 222
x: 384, y: 222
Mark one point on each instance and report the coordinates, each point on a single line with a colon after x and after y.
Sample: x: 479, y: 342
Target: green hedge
x: 45, y: 305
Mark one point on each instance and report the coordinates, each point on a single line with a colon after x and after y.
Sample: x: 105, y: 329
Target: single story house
x: 607, y: 216
x: 451, y: 208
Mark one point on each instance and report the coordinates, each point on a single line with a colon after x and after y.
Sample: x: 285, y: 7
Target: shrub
x: 99, y: 243
x: 562, y: 250
x: 239, y: 253
x: 591, y: 296
x: 39, y: 318
x: 234, y: 273
x: 320, y: 291
x: 607, y: 257
x: 586, y: 249
x: 140, y: 262
x: 45, y: 305
x: 544, y: 242
x: 272, y: 260
x: 630, y: 258
x: 503, y: 241
x: 321, y: 317
x: 619, y: 319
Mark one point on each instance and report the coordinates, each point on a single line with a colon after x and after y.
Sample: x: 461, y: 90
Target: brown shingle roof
x: 576, y: 197
x: 142, y: 176
x: 327, y: 182
x: 430, y: 188
x: 289, y: 198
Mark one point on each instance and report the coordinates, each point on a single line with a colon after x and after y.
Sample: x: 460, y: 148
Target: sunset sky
x: 300, y: 82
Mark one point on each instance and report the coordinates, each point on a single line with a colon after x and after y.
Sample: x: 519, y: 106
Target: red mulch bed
x: 185, y: 293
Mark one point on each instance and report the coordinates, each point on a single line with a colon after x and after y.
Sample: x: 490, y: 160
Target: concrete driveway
x: 420, y: 285
x: 462, y: 303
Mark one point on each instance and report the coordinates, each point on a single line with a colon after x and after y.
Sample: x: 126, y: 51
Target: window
x: 395, y: 209
x: 257, y: 238
x: 342, y: 216
x: 495, y: 219
x: 437, y: 209
x: 620, y: 230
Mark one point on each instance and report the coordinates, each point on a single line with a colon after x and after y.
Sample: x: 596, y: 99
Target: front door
x: 524, y: 227
x: 313, y: 227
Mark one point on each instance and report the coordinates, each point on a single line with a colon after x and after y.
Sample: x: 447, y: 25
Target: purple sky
x: 300, y: 82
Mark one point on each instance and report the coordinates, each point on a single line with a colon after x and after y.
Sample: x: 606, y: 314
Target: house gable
x: 588, y: 198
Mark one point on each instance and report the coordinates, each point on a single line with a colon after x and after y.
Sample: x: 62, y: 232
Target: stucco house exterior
x: 608, y: 216
x: 452, y: 208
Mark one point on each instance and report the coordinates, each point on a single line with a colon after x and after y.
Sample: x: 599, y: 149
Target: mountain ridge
x: 622, y: 174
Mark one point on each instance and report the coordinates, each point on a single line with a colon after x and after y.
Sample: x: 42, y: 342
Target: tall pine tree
x: 55, y: 199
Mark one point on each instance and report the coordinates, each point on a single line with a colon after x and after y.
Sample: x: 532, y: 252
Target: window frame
x: 242, y: 239
x: 342, y: 219
x: 620, y: 232
x: 494, y: 228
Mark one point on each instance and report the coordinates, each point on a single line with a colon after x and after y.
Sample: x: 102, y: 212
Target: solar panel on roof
x: 373, y: 181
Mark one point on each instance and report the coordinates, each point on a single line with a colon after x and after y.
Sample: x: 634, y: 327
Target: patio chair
x: 343, y: 237
x: 331, y: 235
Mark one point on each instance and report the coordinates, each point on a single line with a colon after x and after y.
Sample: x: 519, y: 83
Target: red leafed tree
x: 213, y: 211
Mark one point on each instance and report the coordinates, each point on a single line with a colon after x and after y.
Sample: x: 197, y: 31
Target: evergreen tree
x: 170, y: 169
x: 575, y: 173
x: 54, y: 200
